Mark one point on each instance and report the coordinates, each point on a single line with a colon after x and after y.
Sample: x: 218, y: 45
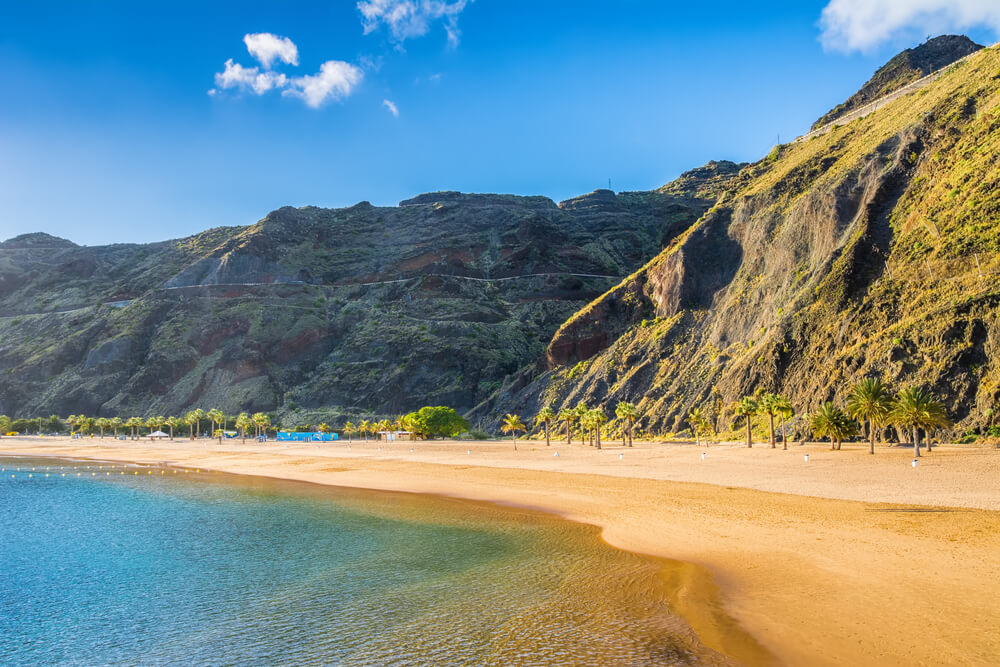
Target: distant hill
x: 318, y: 313
x: 904, y: 68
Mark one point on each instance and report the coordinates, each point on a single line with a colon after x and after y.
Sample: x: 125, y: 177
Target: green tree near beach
x: 915, y: 409
x: 545, y: 417
x: 243, y: 422
x: 746, y: 408
x: 434, y: 422
x: 262, y: 422
x: 628, y: 413
x: 172, y: 423
x: 215, y: 416
x: 134, y: 423
x: 512, y: 424
x: 699, y: 424
x: 771, y: 405
x: 5, y: 424
x: 568, y: 416
x: 831, y: 422
x: 869, y: 401
x: 597, y: 420
x: 349, y: 428
x: 116, y: 424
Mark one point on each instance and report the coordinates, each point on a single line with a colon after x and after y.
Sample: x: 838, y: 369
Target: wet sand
x: 847, y: 559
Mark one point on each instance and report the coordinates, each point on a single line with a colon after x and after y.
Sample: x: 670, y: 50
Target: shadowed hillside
x: 312, y: 312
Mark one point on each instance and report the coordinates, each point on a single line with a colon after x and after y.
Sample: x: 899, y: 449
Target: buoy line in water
x: 93, y: 471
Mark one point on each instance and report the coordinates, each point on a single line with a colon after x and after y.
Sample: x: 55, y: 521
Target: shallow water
x: 100, y: 567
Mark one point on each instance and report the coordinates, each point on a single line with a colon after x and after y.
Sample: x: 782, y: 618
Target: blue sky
x: 109, y: 131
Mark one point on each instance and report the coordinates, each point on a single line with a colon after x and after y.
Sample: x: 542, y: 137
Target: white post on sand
x: 916, y: 462
x: 468, y: 451
x: 621, y: 456
x: 806, y: 458
x: 703, y: 456
x: 555, y: 454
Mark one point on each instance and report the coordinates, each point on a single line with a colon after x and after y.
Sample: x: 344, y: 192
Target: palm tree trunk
x: 630, y: 432
x: 871, y: 437
x: 916, y: 442
x: 749, y: 436
x: 569, y: 433
x: 547, y: 433
x: 929, y: 446
x: 598, y: 431
x: 784, y: 438
x: 770, y: 418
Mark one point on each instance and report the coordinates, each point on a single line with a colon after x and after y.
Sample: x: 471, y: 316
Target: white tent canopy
x: 158, y: 434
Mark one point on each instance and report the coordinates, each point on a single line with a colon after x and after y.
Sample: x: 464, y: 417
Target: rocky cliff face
x: 872, y: 250
x: 315, y: 313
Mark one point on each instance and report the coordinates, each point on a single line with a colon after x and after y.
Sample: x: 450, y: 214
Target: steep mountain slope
x: 317, y: 312
x: 905, y: 68
x: 869, y: 250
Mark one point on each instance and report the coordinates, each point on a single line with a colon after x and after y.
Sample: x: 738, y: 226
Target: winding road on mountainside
x: 123, y: 304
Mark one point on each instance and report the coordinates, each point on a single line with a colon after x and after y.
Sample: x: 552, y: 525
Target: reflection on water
x: 213, y: 569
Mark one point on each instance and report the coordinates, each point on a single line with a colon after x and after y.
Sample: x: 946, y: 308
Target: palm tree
x: 349, y: 428
x: 512, y: 424
x: 869, y: 401
x: 172, y: 423
x: 769, y: 404
x: 151, y: 424
x: 699, y: 424
x: 102, y: 424
x: 72, y: 420
x: 597, y: 418
x: 627, y: 412
x: 134, y: 423
x: 545, y: 416
x: 216, y: 416
x: 581, y: 412
x: 116, y: 423
x: 785, y: 411
x: 262, y: 422
x: 747, y: 408
x: 916, y: 409
x: 197, y: 415
x: 243, y: 422
x: 832, y: 422
x: 365, y: 427
x: 568, y: 416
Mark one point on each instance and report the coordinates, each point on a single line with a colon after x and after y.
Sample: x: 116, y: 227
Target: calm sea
x: 99, y: 567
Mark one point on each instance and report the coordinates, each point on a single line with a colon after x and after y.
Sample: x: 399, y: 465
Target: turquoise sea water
x: 185, y: 568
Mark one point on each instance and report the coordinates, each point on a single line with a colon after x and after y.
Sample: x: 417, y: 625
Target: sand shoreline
x: 813, y: 579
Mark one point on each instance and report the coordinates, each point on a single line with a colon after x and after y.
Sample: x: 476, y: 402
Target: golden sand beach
x: 847, y: 559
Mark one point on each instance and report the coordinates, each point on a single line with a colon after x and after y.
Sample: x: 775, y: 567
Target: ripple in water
x: 214, y: 569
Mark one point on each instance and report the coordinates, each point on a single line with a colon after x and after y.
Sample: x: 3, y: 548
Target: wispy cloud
x: 266, y: 47
x: 406, y: 19
x: 335, y: 80
x: 860, y: 25
x: 391, y: 106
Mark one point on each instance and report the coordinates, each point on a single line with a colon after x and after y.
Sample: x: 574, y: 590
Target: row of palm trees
x: 243, y: 422
x: 373, y: 427
x: 589, y: 420
x: 870, y: 404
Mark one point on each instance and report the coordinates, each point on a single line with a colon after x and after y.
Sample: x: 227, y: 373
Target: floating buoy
x: 46, y: 474
x: 64, y: 474
x: 30, y: 475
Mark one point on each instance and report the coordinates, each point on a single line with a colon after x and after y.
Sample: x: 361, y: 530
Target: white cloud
x: 248, y: 78
x: 391, y: 106
x: 412, y: 18
x: 266, y: 47
x: 334, y: 81
x: 859, y: 25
